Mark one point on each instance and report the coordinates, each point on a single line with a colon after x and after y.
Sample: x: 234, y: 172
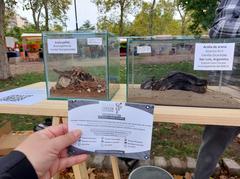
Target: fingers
x: 62, y: 142
x: 70, y: 161
x: 63, y: 153
x: 55, y: 131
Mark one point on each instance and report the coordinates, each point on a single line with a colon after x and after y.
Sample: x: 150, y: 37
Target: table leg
x: 115, y: 167
x: 56, y: 121
x: 79, y: 171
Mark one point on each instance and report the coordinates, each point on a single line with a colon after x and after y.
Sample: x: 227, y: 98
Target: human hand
x: 46, y: 150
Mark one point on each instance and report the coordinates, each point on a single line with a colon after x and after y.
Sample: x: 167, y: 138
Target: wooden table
x: 172, y: 114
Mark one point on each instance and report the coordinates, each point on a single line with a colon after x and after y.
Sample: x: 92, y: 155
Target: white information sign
x: 94, y: 41
x: 214, y: 56
x: 62, y: 46
x: 144, y: 49
x: 23, y: 96
x: 111, y: 128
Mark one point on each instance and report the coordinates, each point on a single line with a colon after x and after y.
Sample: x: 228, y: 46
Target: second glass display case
x: 184, y: 72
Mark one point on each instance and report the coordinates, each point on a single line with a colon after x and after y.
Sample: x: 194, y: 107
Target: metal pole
x: 220, y: 81
x: 75, y: 6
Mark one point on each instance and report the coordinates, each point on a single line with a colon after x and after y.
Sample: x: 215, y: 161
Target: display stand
x: 173, y: 114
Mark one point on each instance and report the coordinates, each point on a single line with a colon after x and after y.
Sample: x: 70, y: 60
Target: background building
x: 17, y: 21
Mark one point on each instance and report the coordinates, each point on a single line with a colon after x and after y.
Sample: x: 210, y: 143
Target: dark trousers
x: 215, y: 140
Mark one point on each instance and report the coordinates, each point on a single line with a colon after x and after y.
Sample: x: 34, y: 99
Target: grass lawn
x: 169, y: 140
x: 147, y: 71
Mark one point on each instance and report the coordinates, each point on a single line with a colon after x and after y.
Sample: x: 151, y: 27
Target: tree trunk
x: 4, y: 66
x: 45, y: 4
x: 35, y: 20
x: 183, y: 18
x: 121, y: 21
x: 151, y: 18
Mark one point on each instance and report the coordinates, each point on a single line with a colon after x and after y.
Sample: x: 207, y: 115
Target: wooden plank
x: 120, y: 96
x: 56, y: 121
x: 115, y: 167
x: 64, y: 120
x: 173, y: 114
x: 193, y: 115
x: 10, y: 141
x: 5, y: 127
x: 57, y: 176
x: 80, y: 171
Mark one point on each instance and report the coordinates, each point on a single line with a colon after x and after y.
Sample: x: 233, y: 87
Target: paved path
x: 27, y: 67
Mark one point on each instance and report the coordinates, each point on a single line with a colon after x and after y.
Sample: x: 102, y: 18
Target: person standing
x: 215, y: 139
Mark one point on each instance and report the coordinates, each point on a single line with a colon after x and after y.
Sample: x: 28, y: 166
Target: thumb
x: 63, y: 141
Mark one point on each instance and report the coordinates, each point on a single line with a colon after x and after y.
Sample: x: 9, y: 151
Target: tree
x: 36, y: 7
x: 87, y: 26
x: 184, y: 15
x: 14, y: 32
x: 162, y: 21
x: 4, y: 66
x: 55, y: 10
x: 57, y: 28
x: 108, y: 24
x: 125, y: 7
x: 201, y: 12
x: 17, y: 31
x: 151, y: 16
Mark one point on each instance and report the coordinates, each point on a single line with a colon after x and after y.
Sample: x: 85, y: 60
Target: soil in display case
x: 184, y: 72
x: 81, y: 65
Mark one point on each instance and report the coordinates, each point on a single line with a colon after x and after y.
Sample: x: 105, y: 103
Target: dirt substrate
x: 183, y: 98
x: 67, y: 93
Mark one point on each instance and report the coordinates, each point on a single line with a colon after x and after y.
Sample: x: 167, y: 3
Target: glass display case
x: 184, y: 72
x: 81, y: 65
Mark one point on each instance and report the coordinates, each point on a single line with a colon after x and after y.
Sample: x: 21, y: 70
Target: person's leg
x: 214, y: 141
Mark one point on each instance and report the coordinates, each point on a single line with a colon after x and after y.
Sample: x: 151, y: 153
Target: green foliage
x: 22, y: 122
x: 18, y: 31
x: 123, y: 74
x: 165, y: 140
x: 57, y: 28
x: 108, y: 24
x: 162, y: 70
x: 162, y: 19
x: 202, y: 14
x: 14, y: 32
x: 87, y: 26
x: 48, y: 10
x: 10, y: 3
x: 118, y: 9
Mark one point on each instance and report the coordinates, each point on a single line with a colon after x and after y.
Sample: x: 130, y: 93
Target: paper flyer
x: 111, y: 128
x: 23, y: 96
x: 214, y: 56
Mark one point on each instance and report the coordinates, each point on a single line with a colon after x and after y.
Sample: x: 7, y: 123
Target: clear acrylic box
x: 81, y: 65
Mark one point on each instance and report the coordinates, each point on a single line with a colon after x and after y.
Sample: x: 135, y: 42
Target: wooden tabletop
x: 172, y: 114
